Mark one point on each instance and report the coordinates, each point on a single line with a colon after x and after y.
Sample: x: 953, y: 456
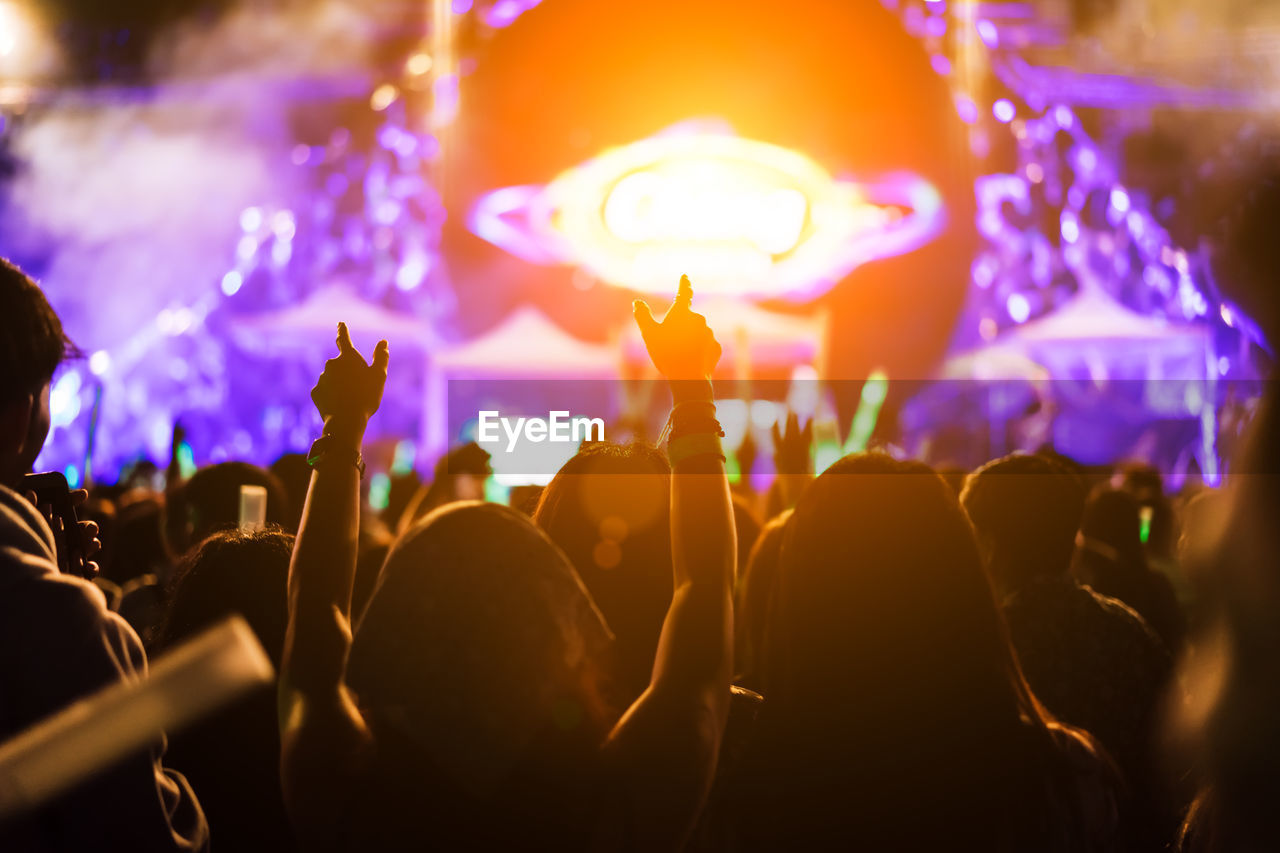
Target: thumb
x: 644, y: 317
x: 381, y: 356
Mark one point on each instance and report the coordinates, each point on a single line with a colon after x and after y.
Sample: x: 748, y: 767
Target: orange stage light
x: 739, y: 216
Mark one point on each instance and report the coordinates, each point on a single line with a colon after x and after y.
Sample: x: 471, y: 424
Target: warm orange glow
x: 737, y: 215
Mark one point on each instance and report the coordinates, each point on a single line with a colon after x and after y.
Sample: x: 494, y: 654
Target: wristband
x: 691, y: 416
x: 320, y: 449
x: 689, y: 446
x: 680, y: 429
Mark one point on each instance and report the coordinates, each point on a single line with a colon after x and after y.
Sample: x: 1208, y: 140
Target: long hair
x: 475, y: 664
x: 895, y: 707
x: 608, y: 508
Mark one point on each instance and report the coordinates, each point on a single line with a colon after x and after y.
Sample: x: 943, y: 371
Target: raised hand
x: 682, y: 347
x: 792, y: 446
x: 350, y: 389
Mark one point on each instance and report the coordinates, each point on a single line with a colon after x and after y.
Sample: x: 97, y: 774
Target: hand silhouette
x: 681, y: 346
x: 350, y: 389
x: 792, y: 446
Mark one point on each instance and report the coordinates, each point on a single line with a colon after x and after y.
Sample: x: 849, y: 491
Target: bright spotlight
x: 11, y: 27
x: 24, y: 50
x: 739, y: 216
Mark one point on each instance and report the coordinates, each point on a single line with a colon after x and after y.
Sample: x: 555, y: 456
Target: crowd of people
x: 642, y: 656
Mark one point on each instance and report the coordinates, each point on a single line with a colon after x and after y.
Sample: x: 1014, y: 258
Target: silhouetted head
x: 883, y: 613
x: 1146, y: 484
x: 233, y: 755
x: 895, y: 709
x: 479, y: 653
x: 1025, y: 510
x: 459, y: 475
x: 210, y: 501
x: 608, y: 508
x: 32, y: 345
x: 232, y: 572
x: 138, y: 547
x: 1112, y: 520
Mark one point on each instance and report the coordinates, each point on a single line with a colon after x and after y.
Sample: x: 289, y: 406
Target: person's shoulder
x: 1078, y: 748
x: 1115, y: 611
x: 52, y: 609
x: 22, y: 528
x: 1126, y: 633
x: 1113, y: 607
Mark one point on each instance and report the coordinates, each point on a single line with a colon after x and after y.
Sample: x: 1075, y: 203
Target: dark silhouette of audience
x: 1090, y: 659
x: 896, y: 716
x: 608, y: 509
x: 232, y: 758
x: 918, y: 665
x: 61, y: 642
x: 471, y: 700
x: 210, y: 501
x: 1110, y: 559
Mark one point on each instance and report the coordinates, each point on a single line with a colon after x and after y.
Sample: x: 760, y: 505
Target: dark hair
x: 1028, y: 509
x: 879, y: 569
x: 476, y: 665
x: 232, y: 571
x: 1146, y: 484
x: 1109, y: 555
x: 1112, y: 518
x: 32, y: 341
x: 138, y: 545
x: 233, y: 756
x: 894, y: 694
x: 210, y: 501
x: 608, y: 509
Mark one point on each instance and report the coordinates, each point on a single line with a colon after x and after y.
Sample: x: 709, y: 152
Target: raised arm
x: 667, y: 744
x: 324, y: 738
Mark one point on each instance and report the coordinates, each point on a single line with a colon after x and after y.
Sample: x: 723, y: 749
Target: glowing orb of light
x: 739, y: 216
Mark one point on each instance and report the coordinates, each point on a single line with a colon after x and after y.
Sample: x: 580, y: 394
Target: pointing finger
x: 344, y: 340
x: 684, y: 295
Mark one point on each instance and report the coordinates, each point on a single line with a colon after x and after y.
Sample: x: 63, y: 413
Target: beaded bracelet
x: 320, y: 449
x: 689, y: 417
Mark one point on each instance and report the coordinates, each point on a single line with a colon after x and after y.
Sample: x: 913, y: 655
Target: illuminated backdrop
x: 740, y: 217
x: 363, y: 210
